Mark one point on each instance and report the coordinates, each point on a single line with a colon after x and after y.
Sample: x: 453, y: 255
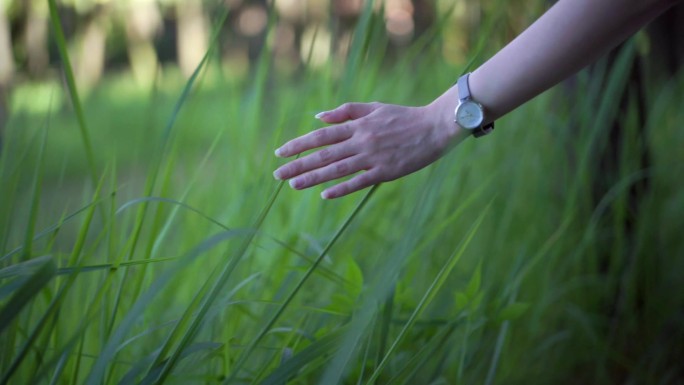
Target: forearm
x: 568, y: 37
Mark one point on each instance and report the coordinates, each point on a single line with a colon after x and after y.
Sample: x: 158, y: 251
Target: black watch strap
x: 484, y: 130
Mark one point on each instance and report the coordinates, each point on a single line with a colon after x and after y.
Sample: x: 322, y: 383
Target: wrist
x: 441, y: 110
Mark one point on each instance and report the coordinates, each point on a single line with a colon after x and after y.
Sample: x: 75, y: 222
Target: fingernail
x: 320, y: 114
x: 325, y: 195
x: 279, y: 152
x: 276, y: 174
x: 295, y: 183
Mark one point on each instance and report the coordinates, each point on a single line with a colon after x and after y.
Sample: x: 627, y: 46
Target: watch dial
x: 469, y: 115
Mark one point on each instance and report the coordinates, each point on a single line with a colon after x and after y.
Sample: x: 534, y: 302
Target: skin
x: 386, y: 141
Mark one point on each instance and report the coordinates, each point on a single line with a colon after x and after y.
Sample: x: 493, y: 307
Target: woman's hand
x: 384, y: 141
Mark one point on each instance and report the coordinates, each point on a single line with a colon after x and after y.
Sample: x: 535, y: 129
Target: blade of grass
x: 109, y: 350
x: 359, y: 46
x: 73, y: 92
x: 157, y: 163
x: 500, y: 340
x: 248, y: 351
x: 418, y: 361
x: 204, y: 302
x: 320, y: 348
x: 53, y: 307
x: 23, y: 268
x: 432, y: 291
x: 139, y: 368
x: 385, y: 323
x: 36, y: 282
x: 27, y: 287
x: 51, y: 229
x: 168, y: 130
x: 35, y: 198
x: 388, y: 272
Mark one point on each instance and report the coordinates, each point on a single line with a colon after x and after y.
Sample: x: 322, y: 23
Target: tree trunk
x: 6, y: 68
x: 90, y: 60
x: 143, y: 22
x: 6, y: 56
x: 36, y: 39
x: 192, y: 36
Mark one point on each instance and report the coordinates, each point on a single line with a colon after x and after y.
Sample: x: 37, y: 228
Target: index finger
x: 314, y: 139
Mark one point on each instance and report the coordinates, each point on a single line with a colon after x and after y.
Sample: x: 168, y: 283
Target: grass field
x: 148, y: 242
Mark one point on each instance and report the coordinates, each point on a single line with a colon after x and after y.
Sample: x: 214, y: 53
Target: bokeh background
x: 144, y: 240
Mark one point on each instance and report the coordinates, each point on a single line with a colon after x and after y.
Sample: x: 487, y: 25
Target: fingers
x: 313, y: 161
x: 314, y: 139
x: 354, y: 184
x: 336, y: 161
x: 348, y: 111
x: 332, y: 171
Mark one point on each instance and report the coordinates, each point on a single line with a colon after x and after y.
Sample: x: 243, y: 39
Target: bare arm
x: 568, y: 37
x: 389, y: 141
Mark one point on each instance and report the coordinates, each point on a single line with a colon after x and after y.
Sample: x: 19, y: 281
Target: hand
x: 384, y: 141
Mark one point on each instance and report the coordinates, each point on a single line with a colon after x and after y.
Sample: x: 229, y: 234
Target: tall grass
x: 174, y: 257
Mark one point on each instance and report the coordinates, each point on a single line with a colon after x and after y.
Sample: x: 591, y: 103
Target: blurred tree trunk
x: 6, y: 68
x: 35, y: 38
x: 143, y: 21
x: 425, y: 15
x: 192, y: 36
x: 91, y: 54
x: 6, y: 55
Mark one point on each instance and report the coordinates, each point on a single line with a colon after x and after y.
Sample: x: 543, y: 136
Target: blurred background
x: 144, y: 36
x: 147, y: 40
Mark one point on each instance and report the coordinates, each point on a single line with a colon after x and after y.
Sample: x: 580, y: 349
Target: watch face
x: 469, y: 115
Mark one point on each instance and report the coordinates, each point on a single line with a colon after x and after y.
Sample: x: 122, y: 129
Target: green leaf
x: 461, y: 301
x: 340, y: 302
x: 475, y: 280
x: 355, y: 278
x: 475, y: 302
x: 513, y: 311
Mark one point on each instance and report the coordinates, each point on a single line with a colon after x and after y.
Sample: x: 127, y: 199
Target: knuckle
x: 342, y: 167
x: 353, y: 126
x: 364, y: 179
x: 320, y: 135
x: 363, y: 136
x: 325, y: 155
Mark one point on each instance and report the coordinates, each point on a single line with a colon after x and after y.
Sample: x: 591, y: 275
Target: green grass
x: 160, y: 249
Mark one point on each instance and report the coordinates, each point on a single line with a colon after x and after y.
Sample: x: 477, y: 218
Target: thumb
x: 348, y: 111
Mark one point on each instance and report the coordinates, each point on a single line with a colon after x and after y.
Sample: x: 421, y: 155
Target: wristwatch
x: 470, y: 114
